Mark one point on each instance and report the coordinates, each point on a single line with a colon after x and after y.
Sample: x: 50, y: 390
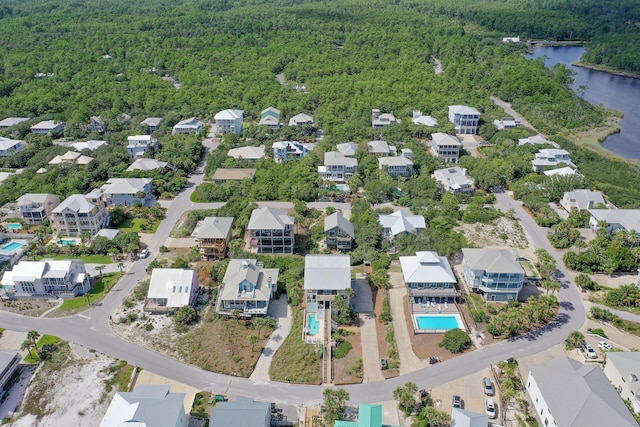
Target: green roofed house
x: 369, y: 415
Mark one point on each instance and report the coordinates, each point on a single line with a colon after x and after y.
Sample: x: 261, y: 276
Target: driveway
x: 368, y: 337
x: 279, y: 309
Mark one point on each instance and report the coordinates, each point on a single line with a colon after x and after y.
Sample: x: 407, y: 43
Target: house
x: 348, y: 148
x: 536, y: 140
x: 337, y: 167
x: 378, y: 148
x: 339, y: 232
x: 223, y: 175
x: 89, y: 145
x: 419, y: 119
x: 325, y: 277
x: 400, y: 222
x: 147, y: 405
x: 369, y: 415
x: 9, y: 360
x: 229, y: 121
x: 97, y: 124
x: 149, y: 164
x: 454, y: 180
x: 123, y: 118
x: 127, y: 191
x: 396, y: 166
x: 445, y: 146
x: 35, y: 208
x: 187, y: 126
x: 380, y: 120
x: 71, y: 158
x: 623, y: 371
x: 139, y: 145
x: 511, y: 40
x: 247, y: 287
x: 242, y: 412
x: 270, y: 117
x: 9, y: 147
x: 495, y: 273
x: 616, y: 219
x: 46, y: 278
x: 78, y: 215
x: 565, y: 171
x: 213, y: 236
x: 271, y: 231
x: 407, y: 153
x: 247, y: 153
x: 506, y: 123
x: 170, y: 289
x: 566, y: 393
x: 465, y: 119
x: 48, y: 127
x: 288, y: 150
x: 151, y: 124
x: 301, y: 120
x: 464, y: 418
x: 428, y: 275
x: 11, y: 121
x: 107, y: 233
x: 550, y: 158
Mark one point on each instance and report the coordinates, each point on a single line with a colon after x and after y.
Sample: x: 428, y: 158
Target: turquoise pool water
x: 13, y: 226
x: 11, y: 247
x: 426, y: 322
x: 313, y: 326
x: 66, y: 242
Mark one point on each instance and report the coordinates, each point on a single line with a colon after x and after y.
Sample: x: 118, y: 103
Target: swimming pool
x: 13, y: 226
x: 11, y: 247
x: 437, y: 322
x: 313, y: 326
x: 66, y: 242
x: 342, y: 187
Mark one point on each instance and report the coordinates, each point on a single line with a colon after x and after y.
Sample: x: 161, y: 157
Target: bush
x: 479, y: 316
x: 455, y: 340
x: 598, y: 331
x: 185, y: 315
x: 603, y: 314
x: 342, y: 349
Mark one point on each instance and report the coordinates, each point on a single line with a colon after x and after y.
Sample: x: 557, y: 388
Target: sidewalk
x: 368, y: 338
x: 409, y: 362
x: 279, y: 309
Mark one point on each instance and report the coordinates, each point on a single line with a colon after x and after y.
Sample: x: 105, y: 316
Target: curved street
x: 91, y: 329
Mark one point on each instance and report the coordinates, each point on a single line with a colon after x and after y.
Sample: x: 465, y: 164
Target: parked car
x: 487, y: 385
x: 490, y: 408
x: 456, y: 402
x: 383, y: 364
x: 589, y: 351
x: 143, y: 253
x: 605, y: 346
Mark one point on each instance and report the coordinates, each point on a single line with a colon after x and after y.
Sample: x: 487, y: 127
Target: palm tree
x: 121, y: 266
x: 236, y: 315
x: 33, y: 336
x: 100, y: 269
x: 27, y: 345
x: 253, y: 339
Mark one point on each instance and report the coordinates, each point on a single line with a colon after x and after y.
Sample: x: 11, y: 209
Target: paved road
x: 620, y: 313
x: 513, y: 113
x: 91, y: 329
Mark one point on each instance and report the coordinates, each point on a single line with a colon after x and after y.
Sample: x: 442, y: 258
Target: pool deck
x: 416, y: 308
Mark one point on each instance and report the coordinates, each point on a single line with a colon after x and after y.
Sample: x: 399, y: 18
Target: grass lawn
x: 105, y: 283
x: 87, y: 259
x: 44, y: 340
x: 135, y: 225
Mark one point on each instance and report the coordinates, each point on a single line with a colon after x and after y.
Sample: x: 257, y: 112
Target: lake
x: 611, y: 91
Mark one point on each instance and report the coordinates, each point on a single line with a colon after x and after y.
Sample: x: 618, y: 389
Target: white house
x: 148, y: 165
x: 139, y: 145
x: 464, y: 418
x: 339, y: 232
x: 78, y: 215
x: 454, y: 180
x: 379, y: 148
x: 126, y: 191
x: 170, y: 289
x: 271, y: 231
x: 300, y: 120
x: 288, y: 150
x: 445, y: 146
x: 419, y: 119
x: 71, y: 158
x: 48, y: 127
x: 505, y: 123
x: 151, y: 124
x: 616, y: 219
x: 566, y: 393
x: 380, y: 120
x: 465, y: 119
x: 428, y: 275
x: 511, y: 40
x: 243, y: 411
x: 270, y: 117
x: 147, y: 405
x: 348, y: 148
x: 9, y: 360
x: 88, y: 145
x: 247, y: 153
x: 187, y: 126
x: 36, y: 208
x: 400, y: 222
x: 565, y: 171
x: 623, y: 370
x: 396, y: 166
x: 11, y: 121
x: 536, y: 140
x: 551, y: 158
x: 247, y: 287
x: 9, y: 147
x: 326, y: 276
x: 229, y: 121
x: 495, y: 273
x: 97, y: 124
x: 337, y: 167
x: 65, y: 278
x: 581, y: 200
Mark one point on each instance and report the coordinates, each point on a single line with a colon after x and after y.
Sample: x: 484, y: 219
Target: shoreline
x: 606, y: 69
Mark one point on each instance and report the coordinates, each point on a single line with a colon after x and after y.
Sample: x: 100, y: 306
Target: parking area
x: 469, y: 388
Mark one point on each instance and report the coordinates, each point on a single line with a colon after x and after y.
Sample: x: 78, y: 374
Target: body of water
x: 609, y: 90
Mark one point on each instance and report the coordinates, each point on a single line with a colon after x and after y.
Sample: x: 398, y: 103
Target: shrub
x: 185, y: 315
x: 342, y: 349
x: 603, y: 314
x: 455, y: 340
x: 479, y: 316
x: 598, y: 331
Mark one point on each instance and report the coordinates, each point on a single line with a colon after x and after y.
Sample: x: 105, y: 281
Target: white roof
x: 247, y: 153
x: 348, y: 148
x: 400, y: 221
x: 493, y: 260
x: 229, y: 115
x: 561, y: 171
x: 440, y: 138
x: 463, y: 109
x: 240, y: 271
x: 148, y: 405
x: 378, y: 147
x: 394, y: 161
x: 139, y: 138
x: 426, y: 267
x: 327, y: 272
x: 300, y: 118
x: 454, y: 177
x: 29, y: 271
x: 125, y: 185
x: 337, y: 220
x: 536, y: 139
x: 151, y: 121
x: 109, y: 233
x: 147, y: 164
x: 552, y: 152
x: 174, y: 284
x: 190, y: 122
x: 71, y: 157
x: 31, y: 198
x: 269, y: 219
x: 627, y: 218
x: 583, y: 199
x: 77, y: 203
x: 215, y: 228
x: 464, y: 418
x: 89, y: 145
x: 425, y: 120
x: 46, y: 125
x: 6, y: 143
x: 336, y: 158
x: 12, y: 121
